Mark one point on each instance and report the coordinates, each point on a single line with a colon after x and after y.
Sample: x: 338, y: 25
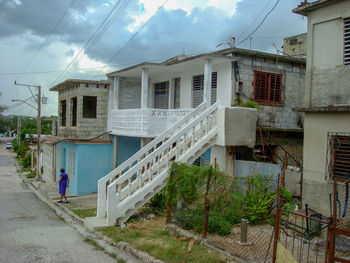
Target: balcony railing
x: 144, y: 122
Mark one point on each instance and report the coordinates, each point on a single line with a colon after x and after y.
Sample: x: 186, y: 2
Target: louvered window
x: 347, y: 41
x: 177, y: 93
x: 339, y: 146
x: 161, y: 95
x: 198, y: 89
x: 267, y: 87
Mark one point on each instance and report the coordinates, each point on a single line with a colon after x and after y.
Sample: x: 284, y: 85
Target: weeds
x: 93, y: 243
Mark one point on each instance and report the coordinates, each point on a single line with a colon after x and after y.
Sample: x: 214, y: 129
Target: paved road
x: 29, y: 230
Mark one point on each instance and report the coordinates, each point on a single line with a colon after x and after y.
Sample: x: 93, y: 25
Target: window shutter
x: 161, y: 95
x: 347, y: 41
x: 198, y: 89
x: 177, y: 93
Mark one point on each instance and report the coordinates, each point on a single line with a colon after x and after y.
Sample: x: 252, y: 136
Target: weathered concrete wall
x: 86, y: 127
x: 293, y: 79
x: 130, y: 93
x: 236, y: 126
x: 48, y: 174
x: 295, y: 45
x: 317, y: 125
x: 327, y: 77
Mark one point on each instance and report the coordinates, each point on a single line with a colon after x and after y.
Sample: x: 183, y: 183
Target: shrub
x: 26, y: 161
x: 159, y: 201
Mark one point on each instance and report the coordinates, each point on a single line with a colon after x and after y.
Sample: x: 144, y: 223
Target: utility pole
x: 38, y: 108
x: 18, y: 130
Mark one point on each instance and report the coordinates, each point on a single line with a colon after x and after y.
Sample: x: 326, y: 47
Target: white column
x: 116, y: 93
x: 171, y: 93
x: 144, y: 88
x: 207, y: 82
x: 110, y: 104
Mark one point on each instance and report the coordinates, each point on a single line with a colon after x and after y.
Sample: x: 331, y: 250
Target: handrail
x: 128, y: 164
x: 126, y: 176
x: 151, y: 145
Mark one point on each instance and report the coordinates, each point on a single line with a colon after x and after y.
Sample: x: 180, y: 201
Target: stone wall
x: 293, y: 79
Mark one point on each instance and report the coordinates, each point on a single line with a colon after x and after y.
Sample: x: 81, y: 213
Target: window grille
x: 198, y: 89
x: 267, y: 87
x: 347, y: 41
x: 339, y: 156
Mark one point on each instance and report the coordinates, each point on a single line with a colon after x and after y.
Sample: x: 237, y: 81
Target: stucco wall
x: 48, y: 152
x: 130, y: 93
x: 86, y: 127
x: 317, y: 125
x: 293, y: 79
x: 126, y: 147
x: 328, y: 79
x: 295, y: 45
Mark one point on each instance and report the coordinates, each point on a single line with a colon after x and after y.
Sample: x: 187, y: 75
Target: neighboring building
x: 147, y: 99
x: 327, y: 100
x: 81, y: 143
x: 295, y: 46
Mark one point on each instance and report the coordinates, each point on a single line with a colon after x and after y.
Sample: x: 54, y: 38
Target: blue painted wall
x: 92, y: 162
x: 127, y: 147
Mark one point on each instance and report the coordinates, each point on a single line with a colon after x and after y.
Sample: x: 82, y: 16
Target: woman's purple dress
x: 63, y: 183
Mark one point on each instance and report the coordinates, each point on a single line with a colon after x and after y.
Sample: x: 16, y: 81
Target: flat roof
x: 305, y: 8
x: 69, y: 82
x: 219, y: 56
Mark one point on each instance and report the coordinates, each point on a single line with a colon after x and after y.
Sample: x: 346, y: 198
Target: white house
x: 181, y: 108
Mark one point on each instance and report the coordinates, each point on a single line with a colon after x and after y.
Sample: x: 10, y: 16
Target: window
x: 347, y: 41
x: 63, y: 108
x: 177, y: 93
x: 73, y: 108
x: 198, y: 89
x: 89, y: 106
x: 71, y: 164
x: 267, y: 87
x: 161, y: 95
x: 339, y: 156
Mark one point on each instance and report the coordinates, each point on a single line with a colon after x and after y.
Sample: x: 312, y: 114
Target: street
x: 29, y: 230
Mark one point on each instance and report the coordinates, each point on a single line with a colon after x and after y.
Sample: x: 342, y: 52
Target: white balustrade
x: 141, y: 180
x: 147, y: 122
x: 137, y: 157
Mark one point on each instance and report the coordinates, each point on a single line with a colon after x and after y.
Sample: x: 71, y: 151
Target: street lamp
x: 38, y: 108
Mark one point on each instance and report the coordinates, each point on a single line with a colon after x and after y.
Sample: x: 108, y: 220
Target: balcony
x: 148, y: 122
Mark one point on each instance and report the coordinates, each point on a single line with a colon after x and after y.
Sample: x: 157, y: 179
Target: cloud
x: 180, y: 26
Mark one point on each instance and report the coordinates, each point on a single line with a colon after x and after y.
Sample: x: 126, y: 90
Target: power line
x: 268, y: 13
x: 131, y: 38
x: 47, y: 38
x: 245, y: 30
x: 93, y: 38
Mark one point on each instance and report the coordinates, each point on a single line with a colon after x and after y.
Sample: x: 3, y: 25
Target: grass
x: 93, y: 243
x: 150, y: 237
x: 87, y: 212
x: 30, y: 175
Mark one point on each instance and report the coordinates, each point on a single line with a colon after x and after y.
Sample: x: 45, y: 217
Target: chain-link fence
x: 233, y: 214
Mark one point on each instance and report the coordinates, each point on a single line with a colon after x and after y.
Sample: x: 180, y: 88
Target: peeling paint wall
x: 295, y: 45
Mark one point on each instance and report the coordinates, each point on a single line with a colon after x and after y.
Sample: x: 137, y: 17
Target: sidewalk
x: 85, y: 205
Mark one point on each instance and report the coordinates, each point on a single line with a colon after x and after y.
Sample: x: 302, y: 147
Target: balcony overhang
x: 181, y: 64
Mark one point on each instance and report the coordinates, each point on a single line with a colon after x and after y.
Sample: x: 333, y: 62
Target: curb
x: 123, y: 250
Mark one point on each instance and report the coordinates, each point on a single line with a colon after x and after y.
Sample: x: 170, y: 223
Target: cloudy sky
x: 44, y: 42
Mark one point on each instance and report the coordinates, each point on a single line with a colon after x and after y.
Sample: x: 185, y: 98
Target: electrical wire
x: 245, y: 30
x: 88, y: 44
x: 130, y: 39
x: 47, y: 38
x: 265, y: 17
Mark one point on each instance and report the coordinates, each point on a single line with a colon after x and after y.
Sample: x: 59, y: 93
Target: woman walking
x: 63, y: 183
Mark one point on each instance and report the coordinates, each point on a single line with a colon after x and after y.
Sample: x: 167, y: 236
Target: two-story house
x: 181, y: 109
x: 81, y: 144
x: 327, y: 101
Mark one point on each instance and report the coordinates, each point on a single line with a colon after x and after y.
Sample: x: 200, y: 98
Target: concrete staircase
x: 137, y: 180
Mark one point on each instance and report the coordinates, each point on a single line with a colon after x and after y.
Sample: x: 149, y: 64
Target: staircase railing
x: 190, y: 136
x: 137, y: 157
